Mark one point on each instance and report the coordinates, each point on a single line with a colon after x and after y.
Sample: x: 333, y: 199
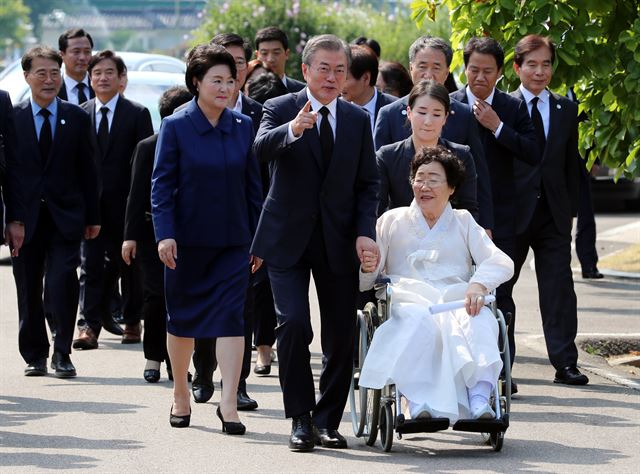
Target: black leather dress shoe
x: 592, y: 273
x: 514, y: 387
x: 329, y: 438
x: 301, y: 438
x: 61, y: 363
x: 245, y: 402
x: 36, y: 368
x: 109, y: 325
x: 570, y: 375
x: 152, y: 375
x: 202, y: 393
x: 260, y: 369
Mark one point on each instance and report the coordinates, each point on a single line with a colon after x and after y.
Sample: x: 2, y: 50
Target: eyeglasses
x: 43, y: 75
x: 326, y: 70
x: 430, y: 183
x: 241, y: 64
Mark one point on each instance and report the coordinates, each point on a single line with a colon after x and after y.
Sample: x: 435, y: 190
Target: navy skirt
x: 205, y: 294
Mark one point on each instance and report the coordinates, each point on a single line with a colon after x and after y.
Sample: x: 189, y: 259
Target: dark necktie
x: 103, y: 131
x: 82, y: 98
x: 46, y: 137
x: 326, y: 137
x: 536, y: 118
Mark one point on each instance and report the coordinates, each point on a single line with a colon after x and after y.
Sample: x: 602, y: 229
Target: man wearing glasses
x: 60, y: 185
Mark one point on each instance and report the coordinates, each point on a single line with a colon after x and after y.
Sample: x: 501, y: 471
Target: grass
x: 627, y: 260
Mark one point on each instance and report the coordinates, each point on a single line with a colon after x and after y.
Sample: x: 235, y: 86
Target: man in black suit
x: 360, y: 86
x: 508, y: 137
x: 272, y: 48
x: 75, y: 47
x: 119, y: 125
x: 60, y: 183
x: 548, y: 201
x: 318, y: 217
x: 10, y: 189
x: 204, y: 356
x: 430, y: 58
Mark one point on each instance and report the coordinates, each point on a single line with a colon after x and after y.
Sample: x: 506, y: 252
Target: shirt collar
x: 371, y: 105
x: 238, y: 106
x: 52, y: 107
x: 472, y: 98
x: 70, y: 82
x: 111, y: 105
x: 528, y: 95
x: 316, y: 105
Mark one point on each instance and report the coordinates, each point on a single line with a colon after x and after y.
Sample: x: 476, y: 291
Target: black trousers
x: 586, y: 226
x: 50, y: 257
x: 264, y: 313
x: 337, y: 300
x: 100, y: 269
x: 154, y: 310
x: 557, y: 298
x: 204, y: 354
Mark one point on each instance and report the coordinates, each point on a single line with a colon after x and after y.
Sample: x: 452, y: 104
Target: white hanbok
x: 433, y: 359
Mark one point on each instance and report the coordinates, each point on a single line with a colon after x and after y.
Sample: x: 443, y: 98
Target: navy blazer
x: 382, y: 99
x: 137, y: 224
x: 343, y: 197
x: 68, y: 183
x: 392, y: 126
x: 131, y: 124
x: 394, y: 168
x: 252, y: 109
x: 11, y: 190
x: 205, y: 188
x: 294, y: 85
x: 559, y: 170
x: 516, y: 142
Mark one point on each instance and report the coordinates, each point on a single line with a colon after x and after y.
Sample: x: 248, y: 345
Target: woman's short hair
x: 453, y: 166
x: 202, y: 58
x: 433, y: 89
x: 396, y: 77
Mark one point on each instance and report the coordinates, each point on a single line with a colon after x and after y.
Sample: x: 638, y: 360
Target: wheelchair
x: 376, y: 411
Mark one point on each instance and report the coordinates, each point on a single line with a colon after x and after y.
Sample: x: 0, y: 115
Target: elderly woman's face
x: 216, y: 86
x: 430, y: 188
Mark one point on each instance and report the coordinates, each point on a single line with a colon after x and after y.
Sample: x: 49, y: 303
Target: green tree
x: 598, y: 52
x: 37, y: 8
x: 13, y: 21
x: 390, y: 25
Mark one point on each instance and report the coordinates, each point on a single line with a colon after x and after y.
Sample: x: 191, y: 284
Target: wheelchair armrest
x: 381, y: 282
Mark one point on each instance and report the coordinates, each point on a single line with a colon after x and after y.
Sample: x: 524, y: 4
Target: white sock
x: 479, y: 395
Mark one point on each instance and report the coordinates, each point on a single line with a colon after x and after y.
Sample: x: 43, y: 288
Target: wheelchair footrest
x: 423, y: 425
x: 483, y: 426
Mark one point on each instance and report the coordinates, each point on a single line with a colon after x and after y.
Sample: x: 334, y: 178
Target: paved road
x: 110, y: 420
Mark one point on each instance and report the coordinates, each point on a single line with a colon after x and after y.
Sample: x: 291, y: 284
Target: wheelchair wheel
x: 497, y: 439
x: 364, y: 403
x: 386, y: 426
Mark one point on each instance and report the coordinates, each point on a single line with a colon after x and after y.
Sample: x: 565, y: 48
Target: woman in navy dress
x: 206, y: 197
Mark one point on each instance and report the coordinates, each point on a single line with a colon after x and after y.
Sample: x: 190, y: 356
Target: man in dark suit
x: 430, y: 58
x: 508, y: 137
x: 319, y: 217
x: 204, y: 356
x: 360, y: 86
x: 272, y: 48
x: 60, y: 183
x: 11, y: 191
x: 548, y: 201
x: 75, y: 47
x: 119, y: 125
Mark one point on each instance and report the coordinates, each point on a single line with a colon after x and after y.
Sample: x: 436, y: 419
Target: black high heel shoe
x: 152, y: 375
x: 231, y: 427
x: 170, y: 375
x: 179, y: 421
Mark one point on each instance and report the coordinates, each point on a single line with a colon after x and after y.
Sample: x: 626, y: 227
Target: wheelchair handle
x: 453, y: 305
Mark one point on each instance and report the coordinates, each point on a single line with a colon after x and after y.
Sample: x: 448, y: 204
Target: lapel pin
x: 558, y: 106
x: 404, y: 112
x: 238, y: 120
x: 62, y: 122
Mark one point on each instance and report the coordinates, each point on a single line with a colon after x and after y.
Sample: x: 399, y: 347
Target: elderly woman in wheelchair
x: 446, y: 365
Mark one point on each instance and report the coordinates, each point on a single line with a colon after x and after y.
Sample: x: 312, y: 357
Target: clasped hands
x: 368, y: 254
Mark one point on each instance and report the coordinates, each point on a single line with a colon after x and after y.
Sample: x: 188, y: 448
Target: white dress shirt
x: 316, y: 106
x: 543, y: 105
x: 489, y: 100
x: 111, y: 105
x: 72, y: 88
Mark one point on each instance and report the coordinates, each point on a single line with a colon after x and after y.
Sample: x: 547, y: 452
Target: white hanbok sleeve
x: 493, y: 266
x: 383, y: 226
